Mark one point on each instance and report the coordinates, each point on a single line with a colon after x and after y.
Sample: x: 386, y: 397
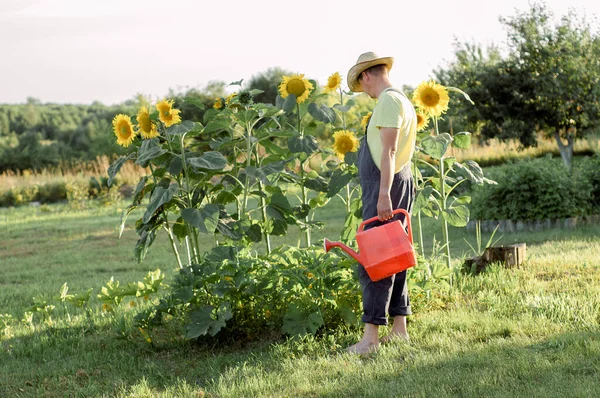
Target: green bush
x: 590, y: 168
x: 533, y: 190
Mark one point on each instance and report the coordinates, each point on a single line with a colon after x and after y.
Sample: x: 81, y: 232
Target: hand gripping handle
x: 370, y: 220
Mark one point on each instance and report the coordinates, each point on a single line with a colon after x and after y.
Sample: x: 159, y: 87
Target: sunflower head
x: 146, y: 127
x: 123, y: 129
x: 245, y: 97
x: 344, y: 141
x: 365, y: 120
x: 432, y: 98
x: 297, y: 85
x: 333, y: 82
x: 219, y: 103
x: 167, y: 114
x: 422, y: 120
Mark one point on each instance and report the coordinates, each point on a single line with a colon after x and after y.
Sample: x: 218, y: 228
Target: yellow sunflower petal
x: 146, y: 127
x: 297, y: 85
x: 167, y: 114
x: 432, y: 98
x: 344, y: 141
x: 219, y: 103
x: 422, y: 120
x: 333, y: 82
x: 123, y: 129
x: 365, y: 120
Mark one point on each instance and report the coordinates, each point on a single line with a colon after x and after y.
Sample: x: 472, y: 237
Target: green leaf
x: 471, y: 171
x: 211, y: 160
x: 237, y: 83
x: 200, y: 321
x: 436, y: 146
x: 183, y: 127
x: 298, y: 322
x: 229, y: 228
x: 448, y: 162
x: 457, y: 90
x: 254, y: 233
x: 255, y: 92
x: 462, y: 140
x: 159, y: 197
x: 316, y: 184
x: 139, y: 192
x: 116, y: 166
x: 279, y: 201
x: 307, y: 144
x: 149, y: 150
x: 339, y: 179
x: 289, y: 103
x: 176, y: 166
x: 205, y: 219
x: 179, y: 229
x: 194, y: 101
x: 422, y: 199
x: 274, y: 167
x: 216, y: 125
x: 321, y: 112
x: 457, y: 216
x: 124, y: 216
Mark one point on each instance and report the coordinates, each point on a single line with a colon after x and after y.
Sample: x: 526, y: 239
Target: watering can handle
x: 370, y: 220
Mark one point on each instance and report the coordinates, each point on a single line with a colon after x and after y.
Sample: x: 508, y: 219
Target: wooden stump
x: 510, y: 256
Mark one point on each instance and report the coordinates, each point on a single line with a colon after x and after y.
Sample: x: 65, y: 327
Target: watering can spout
x: 329, y: 244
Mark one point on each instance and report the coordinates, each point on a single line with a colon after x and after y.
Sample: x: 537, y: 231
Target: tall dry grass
x: 69, y: 171
x: 497, y: 152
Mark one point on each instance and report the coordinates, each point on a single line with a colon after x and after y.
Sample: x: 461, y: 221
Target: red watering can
x: 384, y: 250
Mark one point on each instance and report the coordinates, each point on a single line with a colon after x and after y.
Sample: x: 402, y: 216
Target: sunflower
x: 229, y: 98
x: 432, y: 98
x: 167, y: 114
x: 219, y: 103
x: 146, y: 126
x: 344, y: 142
x: 297, y: 85
x: 365, y: 120
x: 333, y: 82
x: 422, y: 120
x: 123, y: 130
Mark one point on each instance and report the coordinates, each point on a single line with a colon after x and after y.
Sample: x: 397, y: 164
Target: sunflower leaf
x: 339, y: 180
x: 183, y: 127
x: 307, y: 144
x: 211, y: 160
x: 289, y: 103
x: 436, y: 146
x: 462, y: 140
x: 205, y: 219
x: 238, y: 83
x: 159, y: 197
x: 116, y: 166
x: 457, y: 90
x: 321, y: 112
x: 150, y: 149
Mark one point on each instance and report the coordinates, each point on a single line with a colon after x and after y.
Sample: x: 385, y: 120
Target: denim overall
x: 389, y: 295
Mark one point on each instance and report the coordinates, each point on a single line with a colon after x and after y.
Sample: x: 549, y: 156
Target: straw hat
x: 364, y: 62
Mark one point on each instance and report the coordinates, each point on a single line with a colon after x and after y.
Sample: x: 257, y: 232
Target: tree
x: 549, y: 81
x: 267, y: 81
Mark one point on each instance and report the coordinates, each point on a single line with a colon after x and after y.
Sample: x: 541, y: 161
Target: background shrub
x: 534, y: 190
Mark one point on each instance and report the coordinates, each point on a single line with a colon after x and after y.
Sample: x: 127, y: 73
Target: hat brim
x: 354, y: 72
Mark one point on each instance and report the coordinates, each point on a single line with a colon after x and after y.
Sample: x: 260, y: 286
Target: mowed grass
x: 530, y: 331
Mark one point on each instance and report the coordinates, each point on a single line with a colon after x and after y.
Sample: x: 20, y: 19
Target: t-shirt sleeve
x: 390, y: 112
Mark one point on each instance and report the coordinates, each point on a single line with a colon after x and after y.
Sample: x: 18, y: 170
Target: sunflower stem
x: 442, y: 177
x: 342, y: 112
x: 304, y: 194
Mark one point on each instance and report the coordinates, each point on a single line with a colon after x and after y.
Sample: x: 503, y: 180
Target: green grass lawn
x: 531, y: 331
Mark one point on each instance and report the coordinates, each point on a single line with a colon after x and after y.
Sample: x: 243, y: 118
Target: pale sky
x: 79, y: 51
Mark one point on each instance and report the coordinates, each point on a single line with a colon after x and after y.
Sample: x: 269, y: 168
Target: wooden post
x: 511, y: 255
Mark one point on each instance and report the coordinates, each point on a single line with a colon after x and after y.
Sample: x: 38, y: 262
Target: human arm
x: 389, y: 140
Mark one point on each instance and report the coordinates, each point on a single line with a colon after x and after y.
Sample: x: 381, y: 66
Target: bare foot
x: 394, y: 336
x: 363, y: 348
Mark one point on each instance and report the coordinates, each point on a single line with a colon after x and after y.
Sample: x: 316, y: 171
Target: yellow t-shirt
x: 394, y: 110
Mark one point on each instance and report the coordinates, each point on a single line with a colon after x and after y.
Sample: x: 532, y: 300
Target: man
x: 387, y: 184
